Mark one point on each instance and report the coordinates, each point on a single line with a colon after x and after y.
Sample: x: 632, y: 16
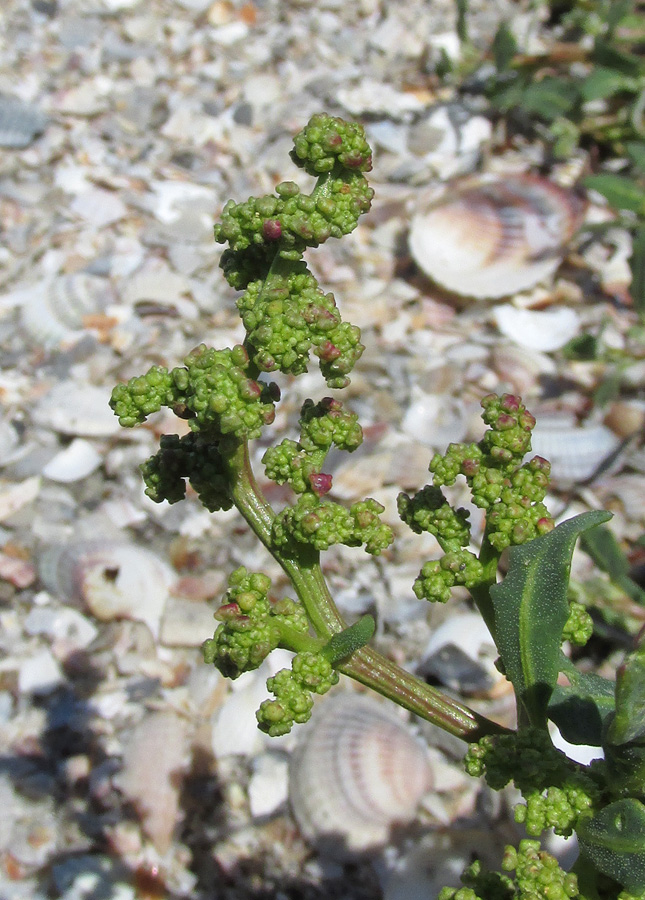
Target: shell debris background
x: 496, y: 237
x: 130, y: 125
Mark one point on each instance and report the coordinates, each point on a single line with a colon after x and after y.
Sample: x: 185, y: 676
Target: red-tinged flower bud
x: 470, y: 467
x: 540, y: 464
x: 271, y: 230
x: 527, y: 421
x: 505, y: 422
x: 251, y: 390
x: 228, y: 611
x: 510, y: 403
x: 327, y: 351
x: 320, y: 483
x: 544, y: 525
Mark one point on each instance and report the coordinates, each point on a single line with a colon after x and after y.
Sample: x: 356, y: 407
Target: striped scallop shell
x: 576, y: 452
x: 357, y: 771
x: 496, y: 237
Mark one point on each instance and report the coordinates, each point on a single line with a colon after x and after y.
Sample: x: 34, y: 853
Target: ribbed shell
x: 357, y: 771
x: 497, y: 237
x: 576, y: 452
x: 114, y: 580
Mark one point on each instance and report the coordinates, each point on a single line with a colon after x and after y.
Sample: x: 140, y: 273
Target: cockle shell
x: 576, y: 452
x: 114, y: 580
x: 496, y: 237
x: 356, y: 772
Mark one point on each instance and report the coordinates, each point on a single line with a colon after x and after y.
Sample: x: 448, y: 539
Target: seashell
x: 356, y: 772
x: 114, y: 580
x: 576, y: 452
x: 74, y: 463
x: 545, y: 330
x: 56, y: 314
x: 19, y: 123
x: 496, y: 237
x: 77, y: 409
x: 154, y: 759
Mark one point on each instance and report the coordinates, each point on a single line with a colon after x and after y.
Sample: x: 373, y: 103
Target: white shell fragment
x: 153, y: 762
x: 576, y: 452
x: 357, y: 771
x: 544, y: 330
x: 114, y: 581
x: 75, y: 462
x: 495, y: 238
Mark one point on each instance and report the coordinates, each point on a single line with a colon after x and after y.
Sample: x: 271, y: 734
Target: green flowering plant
x: 228, y: 401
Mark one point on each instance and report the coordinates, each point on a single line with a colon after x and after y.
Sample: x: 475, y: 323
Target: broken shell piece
x: 74, y: 463
x: 357, y: 771
x: 545, y: 330
x: 114, y: 581
x: 576, y: 452
x: 496, y: 238
x: 154, y: 760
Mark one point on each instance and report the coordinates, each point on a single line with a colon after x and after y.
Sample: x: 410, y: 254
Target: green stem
x: 365, y: 665
x: 489, y: 558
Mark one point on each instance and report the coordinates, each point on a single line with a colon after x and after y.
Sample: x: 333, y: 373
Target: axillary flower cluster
x: 227, y: 399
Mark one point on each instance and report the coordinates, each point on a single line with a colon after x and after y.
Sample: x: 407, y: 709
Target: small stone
x: 40, y: 674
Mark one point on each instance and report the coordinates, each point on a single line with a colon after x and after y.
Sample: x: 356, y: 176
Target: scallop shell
x: 114, y: 580
x: 497, y: 237
x: 56, y: 314
x: 576, y: 452
x: 356, y: 772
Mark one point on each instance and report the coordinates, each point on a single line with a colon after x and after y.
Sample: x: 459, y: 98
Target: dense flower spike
x: 555, y: 789
x: 251, y: 624
x: 322, y: 523
x: 322, y: 425
x: 538, y: 876
x: 429, y: 511
x: 310, y: 673
x: 189, y: 458
x: 326, y: 142
x: 579, y: 626
x: 457, y: 567
x: 286, y: 315
x: 212, y: 390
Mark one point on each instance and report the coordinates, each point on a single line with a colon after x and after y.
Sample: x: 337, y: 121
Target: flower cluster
x: 251, y: 626
x: 299, y: 463
x: 538, y: 876
x: 310, y: 673
x: 555, y: 790
x: 212, y: 390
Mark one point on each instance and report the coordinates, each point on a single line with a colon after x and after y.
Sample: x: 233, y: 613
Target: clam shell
x: 576, y: 452
x: 356, y: 772
x: 56, y: 314
x: 114, y: 580
x: 496, y: 237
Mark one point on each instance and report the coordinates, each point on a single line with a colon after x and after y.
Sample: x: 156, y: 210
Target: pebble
x: 40, y: 674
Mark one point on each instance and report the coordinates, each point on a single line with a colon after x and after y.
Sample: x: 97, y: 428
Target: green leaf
x: 603, y: 548
x: 462, y: 23
x: 549, y: 98
x: 531, y: 609
x: 584, y: 346
x: 580, y: 708
x: 637, y: 265
x: 620, y: 191
x: 613, y: 840
x: 504, y: 47
x: 343, y: 644
x: 602, y: 83
x: 636, y: 152
x: 606, y: 54
x: 629, y: 721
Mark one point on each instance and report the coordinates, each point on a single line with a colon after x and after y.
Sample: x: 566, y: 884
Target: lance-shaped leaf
x: 580, y: 708
x: 531, y: 609
x: 345, y: 642
x: 613, y: 841
x: 603, y: 548
x: 629, y: 721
